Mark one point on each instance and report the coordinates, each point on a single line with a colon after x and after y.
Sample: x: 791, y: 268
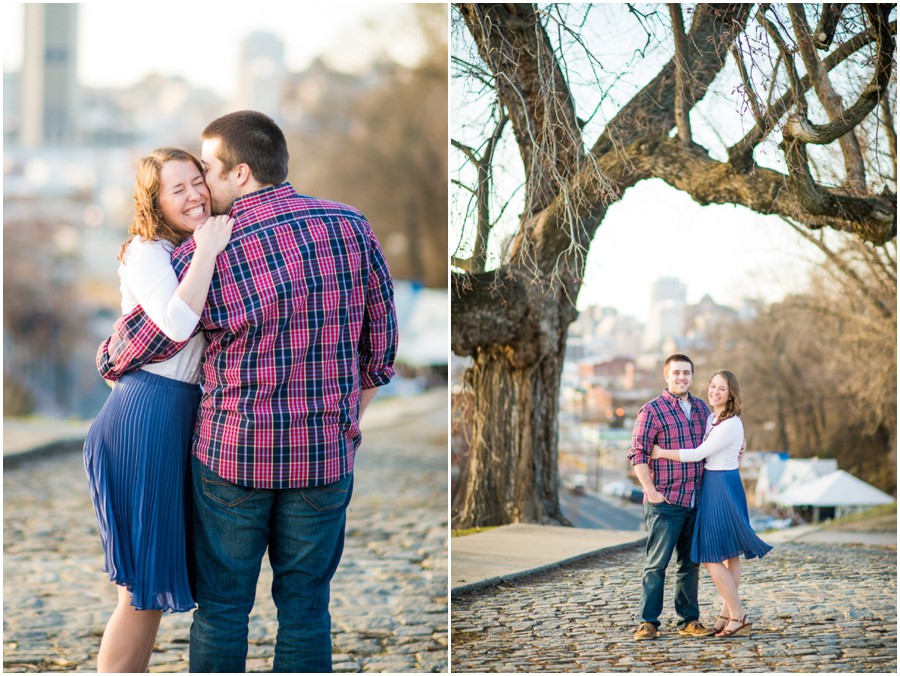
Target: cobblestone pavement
x: 815, y: 608
x: 389, y: 596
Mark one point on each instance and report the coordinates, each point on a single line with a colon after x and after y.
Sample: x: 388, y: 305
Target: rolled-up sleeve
x: 378, y: 337
x: 643, y: 437
x: 135, y: 341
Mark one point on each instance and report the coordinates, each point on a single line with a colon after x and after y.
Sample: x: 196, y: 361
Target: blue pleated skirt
x: 722, y: 529
x: 137, y: 459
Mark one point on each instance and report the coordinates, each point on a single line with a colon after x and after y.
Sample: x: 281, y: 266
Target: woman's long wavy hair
x: 733, y: 406
x: 148, y: 221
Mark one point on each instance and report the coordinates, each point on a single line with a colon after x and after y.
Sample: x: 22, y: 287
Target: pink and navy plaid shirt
x: 300, y: 317
x: 662, y: 422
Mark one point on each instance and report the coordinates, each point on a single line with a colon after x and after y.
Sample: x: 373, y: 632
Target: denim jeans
x: 669, y: 528
x: 303, y: 529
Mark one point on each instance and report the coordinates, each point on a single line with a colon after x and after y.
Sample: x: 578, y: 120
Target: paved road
x: 594, y: 511
x: 389, y: 597
x: 816, y: 608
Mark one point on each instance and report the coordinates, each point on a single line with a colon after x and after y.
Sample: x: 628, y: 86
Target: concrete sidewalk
x: 510, y: 552
x: 822, y: 534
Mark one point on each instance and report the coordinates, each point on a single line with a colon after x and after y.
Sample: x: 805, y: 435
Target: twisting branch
x: 842, y: 123
x: 740, y: 154
x: 799, y: 131
x: 682, y: 111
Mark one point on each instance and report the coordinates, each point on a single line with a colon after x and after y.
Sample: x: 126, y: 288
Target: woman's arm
x: 175, y: 308
x: 721, y: 436
x: 211, y: 238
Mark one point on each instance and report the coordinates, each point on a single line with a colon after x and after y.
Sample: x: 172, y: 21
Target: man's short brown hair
x: 252, y: 138
x: 676, y: 357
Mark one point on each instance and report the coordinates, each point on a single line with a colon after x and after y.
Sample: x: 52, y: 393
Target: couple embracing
x: 251, y: 344
x: 678, y: 445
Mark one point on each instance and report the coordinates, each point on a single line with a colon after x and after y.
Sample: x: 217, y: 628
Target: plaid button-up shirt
x: 663, y: 422
x: 300, y: 317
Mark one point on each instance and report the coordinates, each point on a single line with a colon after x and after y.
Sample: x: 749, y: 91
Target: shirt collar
x: 675, y: 400
x: 254, y: 199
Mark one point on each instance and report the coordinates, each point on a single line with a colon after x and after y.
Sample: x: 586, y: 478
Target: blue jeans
x: 303, y: 529
x: 669, y: 528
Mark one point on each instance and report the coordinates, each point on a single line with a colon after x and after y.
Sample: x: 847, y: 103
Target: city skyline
x: 173, y: 40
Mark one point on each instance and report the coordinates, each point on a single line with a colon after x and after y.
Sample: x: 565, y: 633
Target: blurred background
x: 88, y: 89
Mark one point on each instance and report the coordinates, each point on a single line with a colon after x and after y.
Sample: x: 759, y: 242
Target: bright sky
x: 122, y: 41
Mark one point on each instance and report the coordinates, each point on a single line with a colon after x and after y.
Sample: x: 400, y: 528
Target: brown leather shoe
x: 695, y: 629
x: 646, y: 632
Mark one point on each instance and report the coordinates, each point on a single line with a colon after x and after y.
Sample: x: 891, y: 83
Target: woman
x: 722, y: 530
x: 137, y: 451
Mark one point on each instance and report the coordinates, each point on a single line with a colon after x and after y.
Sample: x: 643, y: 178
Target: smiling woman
x: 137, y: 450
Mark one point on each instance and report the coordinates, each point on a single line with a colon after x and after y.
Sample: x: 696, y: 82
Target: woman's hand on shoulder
x: 214, y: 235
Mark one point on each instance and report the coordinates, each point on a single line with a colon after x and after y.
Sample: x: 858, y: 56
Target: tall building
x: 262, y: 76
x: 49, y: 85
x: 668, y: 297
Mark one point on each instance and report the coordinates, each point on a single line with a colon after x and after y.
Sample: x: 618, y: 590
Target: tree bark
x: 512, y: 474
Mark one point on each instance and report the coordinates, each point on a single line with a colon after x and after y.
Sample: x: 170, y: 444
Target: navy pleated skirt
x: 137, y: 459
x: 722, y: 529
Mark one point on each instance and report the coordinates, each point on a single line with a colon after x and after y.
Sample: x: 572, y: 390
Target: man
x: 302, y: 332
x: 675, y: 419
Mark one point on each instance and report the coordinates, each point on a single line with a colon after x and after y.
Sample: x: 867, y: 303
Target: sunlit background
x: 359, y: 89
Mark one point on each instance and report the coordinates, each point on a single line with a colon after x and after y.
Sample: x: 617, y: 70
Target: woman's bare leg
x: 734, y: 567
x: 129, y: 638
x: 725, y: 583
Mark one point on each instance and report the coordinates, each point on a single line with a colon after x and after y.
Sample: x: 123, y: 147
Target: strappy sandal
x: 743, y: 630
x: 722, y: 628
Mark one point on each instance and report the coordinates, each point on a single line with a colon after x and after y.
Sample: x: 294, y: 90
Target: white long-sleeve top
x: 721, y: 447
x: 147, y: 279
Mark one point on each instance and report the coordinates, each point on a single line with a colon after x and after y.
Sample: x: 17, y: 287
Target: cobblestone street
x: 815, y: 608
x: 389, y: 597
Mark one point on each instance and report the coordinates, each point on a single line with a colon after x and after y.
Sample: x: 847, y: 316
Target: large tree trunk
x: 512, y: 474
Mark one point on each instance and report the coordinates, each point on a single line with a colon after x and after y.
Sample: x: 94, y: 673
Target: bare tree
x: 511, y: 317
x: 820, y: 367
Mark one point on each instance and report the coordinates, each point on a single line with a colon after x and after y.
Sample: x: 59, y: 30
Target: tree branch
x: 872, y: 218
x: 749, y: 92
x: 514, y: 44
x: 741, y: 153
x: 831, y: 14
x: 682, y: 111
x: 651, y: 111
x: 842, y: 123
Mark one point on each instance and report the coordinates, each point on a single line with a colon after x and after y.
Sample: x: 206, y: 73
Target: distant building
x: 262, y: 76
x: 49, y: 83
x: 668, y: 298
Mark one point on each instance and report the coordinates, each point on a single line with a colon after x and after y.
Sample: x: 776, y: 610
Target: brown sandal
x: 743, y: 630
x: 722, y: 628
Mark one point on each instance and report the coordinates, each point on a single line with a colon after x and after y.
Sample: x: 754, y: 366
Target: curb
x: 14, y: 459
x: 519, y: 575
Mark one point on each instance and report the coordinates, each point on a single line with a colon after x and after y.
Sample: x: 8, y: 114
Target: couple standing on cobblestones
x: 673, y: 435
x: 282, y: 310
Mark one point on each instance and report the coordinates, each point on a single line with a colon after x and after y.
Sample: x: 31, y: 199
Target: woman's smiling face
x: 183, y: 195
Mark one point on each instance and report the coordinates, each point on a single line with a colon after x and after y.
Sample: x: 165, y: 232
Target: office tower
x: 261, y: 79
x: 49, y: 85
x: 668, y: 297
